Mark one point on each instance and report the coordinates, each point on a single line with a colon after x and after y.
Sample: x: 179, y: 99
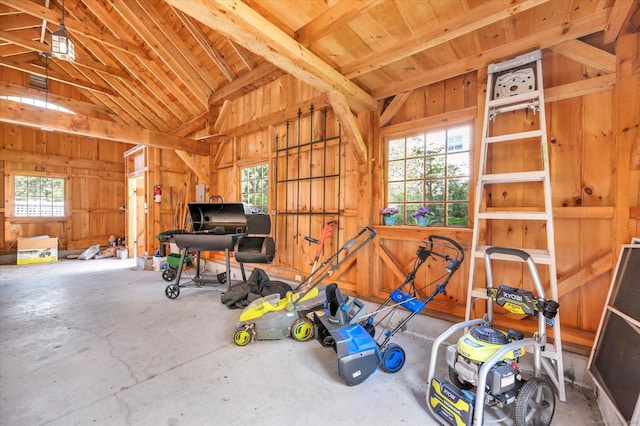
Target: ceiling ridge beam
x: 245, y: 26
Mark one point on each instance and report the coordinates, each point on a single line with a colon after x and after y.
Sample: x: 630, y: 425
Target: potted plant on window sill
x: 424, y: 216
x: 389, y: 215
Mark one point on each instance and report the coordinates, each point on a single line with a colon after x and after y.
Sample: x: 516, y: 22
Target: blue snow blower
x: 344, y: 327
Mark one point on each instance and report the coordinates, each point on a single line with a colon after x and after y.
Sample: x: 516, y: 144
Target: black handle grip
x: 506, y: 250
x: 449, y: 240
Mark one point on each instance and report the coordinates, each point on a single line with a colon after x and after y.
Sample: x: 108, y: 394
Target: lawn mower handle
x: 449, y: 240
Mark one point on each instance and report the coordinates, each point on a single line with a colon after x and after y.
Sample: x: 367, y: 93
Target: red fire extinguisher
x: 157, y: 194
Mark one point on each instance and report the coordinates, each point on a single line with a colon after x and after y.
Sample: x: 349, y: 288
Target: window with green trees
x: 431, y: 170
x: 255, y: 187
x: 38, y: 196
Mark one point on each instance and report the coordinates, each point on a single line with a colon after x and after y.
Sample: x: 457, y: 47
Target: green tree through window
x: 432, y: 170
x: 255, y: 187
x: 38, y: 196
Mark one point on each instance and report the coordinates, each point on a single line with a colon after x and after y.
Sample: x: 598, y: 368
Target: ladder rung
x: 539, y: 256
x: 514, y: 136
x: 532, y: 176
x: 479, y: 293
x: 515, y: 215
x: 525, y: 99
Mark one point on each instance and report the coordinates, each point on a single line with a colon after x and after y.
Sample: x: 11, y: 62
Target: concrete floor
x: 98, y: 343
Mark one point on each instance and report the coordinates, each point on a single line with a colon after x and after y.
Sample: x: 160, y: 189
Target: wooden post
x: 627, y: 134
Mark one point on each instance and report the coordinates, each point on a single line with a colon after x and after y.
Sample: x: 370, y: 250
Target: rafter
x: 540, y: 40
x: 155, y: 37
x: 246, y: 27
x: 476, y: 18
x: 214, y: 55
x: 44, y: 48
x: 52, y: 75
x: 76, y: 28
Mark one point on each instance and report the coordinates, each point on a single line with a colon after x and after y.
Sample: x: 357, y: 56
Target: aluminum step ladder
x: 514, y: 85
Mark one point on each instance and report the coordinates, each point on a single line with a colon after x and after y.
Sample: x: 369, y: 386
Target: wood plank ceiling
x: 158, y: 65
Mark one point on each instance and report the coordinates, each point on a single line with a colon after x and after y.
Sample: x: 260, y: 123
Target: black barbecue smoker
x: 220, y: 226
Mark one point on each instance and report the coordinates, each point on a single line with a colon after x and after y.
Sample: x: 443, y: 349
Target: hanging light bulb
x: 61, y: 45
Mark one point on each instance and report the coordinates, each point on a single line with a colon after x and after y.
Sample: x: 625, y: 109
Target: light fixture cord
x: 62, y: 23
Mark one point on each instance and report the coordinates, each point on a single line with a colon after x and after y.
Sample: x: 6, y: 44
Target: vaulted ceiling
x: 159, y: 64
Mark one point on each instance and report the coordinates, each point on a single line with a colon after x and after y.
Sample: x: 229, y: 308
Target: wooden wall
x: 594, y: 168
x: 94, y: 180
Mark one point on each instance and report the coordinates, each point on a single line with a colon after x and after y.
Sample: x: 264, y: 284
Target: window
x: 255, y: 187
x: 432, y: 170
x: 37, y: 102
x: 38, y: 196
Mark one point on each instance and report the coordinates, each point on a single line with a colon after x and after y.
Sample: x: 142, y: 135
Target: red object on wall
x: 157, y: 194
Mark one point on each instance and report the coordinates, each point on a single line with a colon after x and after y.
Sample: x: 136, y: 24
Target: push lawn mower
x: 352, y: 335
x: 273, y: 318
x: 487, y: 359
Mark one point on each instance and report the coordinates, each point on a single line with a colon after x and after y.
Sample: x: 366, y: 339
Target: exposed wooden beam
x: 224, y: 112
x: 244, y: 54
x: 169, y: 50
x: 214, y: 55
x: 580, y: 88
x: 197, y: 123
x: 44, y: 48
x: 263, y: 123
x: 349, y: 125
x: 75, y: 105
x: 338, y: 14
x: 593, y: 270
x: 619, y: 12
x: 75, y: 27
x: 541, y: 40
x: 245, y: 26
x: 394, y: 106
x: 29, y: 116
x: 446, y: 118
x: 237, y: 88
x: 587, y: 54
x: 59, y: 160
x: 465, y: 23
x: 37, y: 70
x: 203, y: 175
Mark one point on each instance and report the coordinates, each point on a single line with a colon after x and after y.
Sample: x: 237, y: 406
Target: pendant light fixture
x: 61, y: 45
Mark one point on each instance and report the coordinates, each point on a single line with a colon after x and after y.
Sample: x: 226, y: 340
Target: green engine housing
x: 482, y: 342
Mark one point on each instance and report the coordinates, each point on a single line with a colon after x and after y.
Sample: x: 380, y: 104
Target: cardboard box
x: 41, y: 249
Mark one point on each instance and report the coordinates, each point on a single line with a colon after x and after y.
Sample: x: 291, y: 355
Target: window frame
x: 39, y: 176
x: 264, y: 208
x: 417, y: 132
